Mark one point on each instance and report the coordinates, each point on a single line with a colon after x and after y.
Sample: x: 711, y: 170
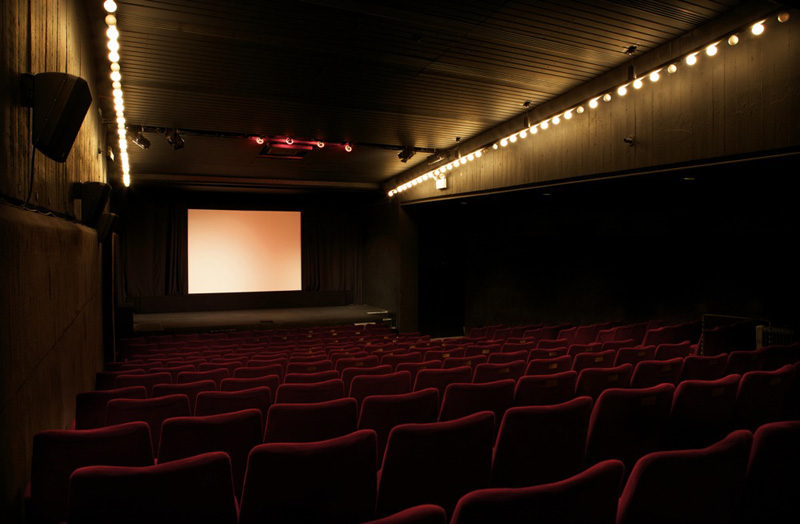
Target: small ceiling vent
x: 284, y: 150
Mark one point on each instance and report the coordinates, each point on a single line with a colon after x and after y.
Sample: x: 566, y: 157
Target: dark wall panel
x: 712, y: 240
x: 50, y: 333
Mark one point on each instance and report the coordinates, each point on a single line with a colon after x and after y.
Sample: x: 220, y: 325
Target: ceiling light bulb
x: 120, y: 113
x: 471, y: 157
x: 462, y: 161
x: 593, y: 103
x: 115, y: 67
x: 111, y: 20
x: 450, y: 166
x: 654, y: 76
x: 116, y: 85
x: 504, y: 142
x: 512, y: 138
x: 580, y: 110
x: 113, y: 57
x: 259, y: 140
x: 607, y: 97
x: 121, y: 120
x: 112, y: 32
x: 622, y: 90
x: 758, y: 28
x: 568, y: 114
x: 691, y: 59
x: 320, y: 144
x: 783, y: 17
x: 289, y: 140
x: 121, y: 132
x: 544, y: 125
x: 494, y: 146
x: 110, y: 6
x: 113, y: 45
x: 556, y: 120
x: 117, y: 92
x: 672, y: 68
x: 116, y: 76
x: 478, y: 154
x: 126, y: 180
x: 637, y: 84
x: 348, y: 148
x: 733, y: 40
x: 711, y: 50
x: 523, y: 133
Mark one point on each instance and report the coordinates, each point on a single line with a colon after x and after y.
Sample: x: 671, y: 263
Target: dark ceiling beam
x: 250, y: 183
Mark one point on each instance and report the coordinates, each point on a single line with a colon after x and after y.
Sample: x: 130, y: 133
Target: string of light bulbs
x: 710, y: 49
x: 116, y: 85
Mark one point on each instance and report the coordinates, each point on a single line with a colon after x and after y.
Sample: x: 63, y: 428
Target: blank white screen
x: 238, y: 251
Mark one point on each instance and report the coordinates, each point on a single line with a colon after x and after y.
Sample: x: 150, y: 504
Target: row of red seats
x: 448, y: 464
x: 698, y: 412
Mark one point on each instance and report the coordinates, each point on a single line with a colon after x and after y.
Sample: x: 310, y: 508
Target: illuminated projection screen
x: 240, y: 251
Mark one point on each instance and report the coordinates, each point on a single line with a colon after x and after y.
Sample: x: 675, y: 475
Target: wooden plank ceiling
x: 417, y: 73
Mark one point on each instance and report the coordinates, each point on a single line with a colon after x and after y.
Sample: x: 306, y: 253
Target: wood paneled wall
x: 47, y: 36
x: 742, y: 102
x: 50, y: 300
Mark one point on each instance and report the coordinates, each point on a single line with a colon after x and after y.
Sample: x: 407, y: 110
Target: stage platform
x: 203, y: 321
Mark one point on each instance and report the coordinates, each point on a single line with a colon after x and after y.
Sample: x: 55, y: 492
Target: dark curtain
x: 331, y: 244
x: 154, y: 241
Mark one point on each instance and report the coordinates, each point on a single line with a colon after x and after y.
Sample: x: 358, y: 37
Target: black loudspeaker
x: 94, y: 197
x: 60, y: 102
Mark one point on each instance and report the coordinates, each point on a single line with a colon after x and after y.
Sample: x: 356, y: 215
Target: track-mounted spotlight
x: 174, y: 139
x: 139, y: 139
x: 406, y: 154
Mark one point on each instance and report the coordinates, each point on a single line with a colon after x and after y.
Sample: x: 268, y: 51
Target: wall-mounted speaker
x: 60, y: 102
x: 94, y: 197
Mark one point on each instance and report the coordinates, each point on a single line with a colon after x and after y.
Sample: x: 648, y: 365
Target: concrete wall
x: 50, y: 299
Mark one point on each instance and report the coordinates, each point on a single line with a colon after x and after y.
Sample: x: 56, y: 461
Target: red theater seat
x: 441, y: 378
x: 195, y: 489
x: 154, y: 411
x: 350, y: 373
x: 650, y: 373
x: 542, y: 390
x: 773, y: 482
x: 541, y: 444
x: 148, y: 380
x: 233, y: 433
x: 701, y: 412
x: 593, y: 381
x: 218, y: 402
x: 696, y: 367
x: 435, y: 463
x: 57, y: 453
x: 383, y: 412
x: 328, y: 481
x: 237, y: 384
x: 626, y: 424
x: 307, y: 393
x: 498, y: 371
x: 549, y: 366
x: 698, y: 486
x: 90, y: 407
x: 363, y: 386
x: 423, y: 514
x: 216, y: 375
x: 310, y: 378
x: 311, y: 422
x: 761, y: 397
x: 190, y: 389
x: 589, y: 497
x: 461, y: 400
